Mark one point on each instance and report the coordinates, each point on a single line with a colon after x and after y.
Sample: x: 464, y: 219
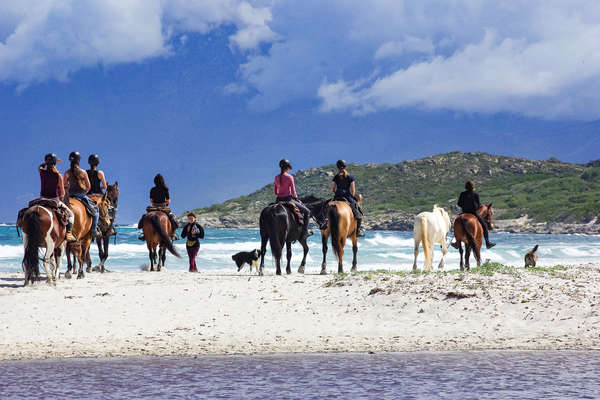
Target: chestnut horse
x: 158, y: 231
x: 341, y: 225
x: 468, y: 230
x: 82, y: 231
x: 41, y: 228
x: 105, y: 225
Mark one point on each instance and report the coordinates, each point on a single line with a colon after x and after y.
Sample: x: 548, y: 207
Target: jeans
x: 83, y: 198
x: 192, y: 253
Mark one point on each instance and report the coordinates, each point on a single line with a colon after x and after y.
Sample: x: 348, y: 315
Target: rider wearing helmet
x: 469, y: 203
x: 78, y: 185
x: 344, y: 188
x: 52, y: 188
x: 285, y: 190
x: 96, y: 177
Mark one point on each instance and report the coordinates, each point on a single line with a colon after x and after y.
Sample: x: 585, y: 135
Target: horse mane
x: 311, y: 199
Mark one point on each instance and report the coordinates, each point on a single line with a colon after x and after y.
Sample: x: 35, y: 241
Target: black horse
x: 279, y: 226
x: 112, y: 193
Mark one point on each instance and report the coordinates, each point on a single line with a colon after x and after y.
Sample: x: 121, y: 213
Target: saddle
x: 295, y: 211
x: 91, y: 208
x: 164, y: 209
x: 61, y: 214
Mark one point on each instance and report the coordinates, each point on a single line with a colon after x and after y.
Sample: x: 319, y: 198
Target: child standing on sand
x: 192, y: 231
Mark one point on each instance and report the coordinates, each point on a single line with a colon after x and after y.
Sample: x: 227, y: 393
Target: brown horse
x: 468, y: 230
x: 82, y: 231
x: 105, y: 224
x: 41, y: 228
x: 158, y: 231
x: 341, y: 225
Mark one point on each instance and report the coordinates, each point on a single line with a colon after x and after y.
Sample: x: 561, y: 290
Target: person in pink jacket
x: 285, y: 190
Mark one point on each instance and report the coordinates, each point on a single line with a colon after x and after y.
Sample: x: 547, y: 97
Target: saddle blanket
x: 90, y: 207
x: 61, y: 213
x: 295, y: 211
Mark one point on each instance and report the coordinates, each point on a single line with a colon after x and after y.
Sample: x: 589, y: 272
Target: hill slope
x: 543, y: 191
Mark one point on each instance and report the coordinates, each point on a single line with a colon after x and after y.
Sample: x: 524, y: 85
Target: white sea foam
x: 381, y: 240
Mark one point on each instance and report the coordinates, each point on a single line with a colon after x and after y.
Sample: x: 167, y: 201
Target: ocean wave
x: 391, y: 241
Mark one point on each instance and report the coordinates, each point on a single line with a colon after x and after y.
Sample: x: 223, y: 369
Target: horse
x: 468, y: 230
x: 82, y: 229
x: 105, y: 225
x: 279, y: 226
x: 41, y: 228
x: 157, y: 231
x: 341, y: 225
x: 431, y: 227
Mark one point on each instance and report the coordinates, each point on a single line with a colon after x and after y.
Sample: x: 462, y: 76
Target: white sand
x: 143, y: 313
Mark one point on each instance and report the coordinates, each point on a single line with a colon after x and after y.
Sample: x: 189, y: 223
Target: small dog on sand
x: 531, y: 257
x: 246, y: 257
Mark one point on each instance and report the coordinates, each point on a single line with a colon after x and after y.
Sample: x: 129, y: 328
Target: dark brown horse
x: 106, y: 225
x: 468, y: 230
x: 158, y: 231
x: 279, y: 227
x: 41, y: 228
x: 341, y: 225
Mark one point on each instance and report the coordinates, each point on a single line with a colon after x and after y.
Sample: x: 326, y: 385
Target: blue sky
x: 213, y: 93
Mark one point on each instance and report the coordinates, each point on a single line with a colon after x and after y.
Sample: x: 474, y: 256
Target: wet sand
x: 177, y: 313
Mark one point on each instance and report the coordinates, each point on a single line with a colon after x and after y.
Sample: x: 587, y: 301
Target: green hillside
x: 546, y: 191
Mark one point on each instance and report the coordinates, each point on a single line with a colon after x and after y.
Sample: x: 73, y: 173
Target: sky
x: 212, y: 93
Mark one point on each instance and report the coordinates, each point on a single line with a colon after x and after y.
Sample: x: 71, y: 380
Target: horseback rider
x: 96, y: 177
x: 469, y: 203
x: 53, y: 189
x: 343, y: 187
x: 285, y: 190
x: 78, y: 185
x: 159, y: 198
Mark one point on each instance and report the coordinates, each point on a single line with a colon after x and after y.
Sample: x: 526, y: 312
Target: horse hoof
x: 88, y: 270
x: 288, y: 271
x: 354, y: 270
x: 301, y: 270
x: 278, y: 272
x: 67, y: 275
x: 323, y: 272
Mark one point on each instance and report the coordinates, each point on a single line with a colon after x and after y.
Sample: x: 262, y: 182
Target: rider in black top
x: 159, y: 197
x: 469, y: 203
x: 343, y: 187
x: 97, y: 179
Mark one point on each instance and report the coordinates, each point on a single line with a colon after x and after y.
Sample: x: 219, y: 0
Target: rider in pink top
x: 285, y: 190
x: 284, y: 186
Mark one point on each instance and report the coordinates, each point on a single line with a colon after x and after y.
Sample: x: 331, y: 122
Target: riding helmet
x: 93, y: 160
x: 74, y: 156
x: 283, y: 164
x: 341, y: 164
x: 51, y: 159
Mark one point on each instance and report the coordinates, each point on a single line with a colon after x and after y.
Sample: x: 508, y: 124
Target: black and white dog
x: 246, y: 257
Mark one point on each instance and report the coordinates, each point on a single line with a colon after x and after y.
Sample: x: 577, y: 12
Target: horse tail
x: 425, y: 240
x: 163, y: 235
x: 31, y: 259
x: 468, y: 234
x: 276, y: 242
x: 334, y: 227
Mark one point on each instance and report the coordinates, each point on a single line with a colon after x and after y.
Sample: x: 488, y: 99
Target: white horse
x: 430, y: 228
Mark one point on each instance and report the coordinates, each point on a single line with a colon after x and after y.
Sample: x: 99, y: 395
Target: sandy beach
x: 177, y: 313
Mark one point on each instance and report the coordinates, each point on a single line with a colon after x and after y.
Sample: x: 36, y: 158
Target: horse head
x: 113, y: 193
x: 313, y: 203
x: 486, y: 213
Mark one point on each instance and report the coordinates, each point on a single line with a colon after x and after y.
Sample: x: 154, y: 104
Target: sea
x: 387, y: 250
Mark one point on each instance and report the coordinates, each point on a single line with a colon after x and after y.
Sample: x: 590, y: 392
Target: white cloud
x: 49, y: 39
x: 410, y: 44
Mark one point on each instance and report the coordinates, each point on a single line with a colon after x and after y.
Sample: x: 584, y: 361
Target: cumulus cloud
x: 532, y: 57
x: 49, y: 39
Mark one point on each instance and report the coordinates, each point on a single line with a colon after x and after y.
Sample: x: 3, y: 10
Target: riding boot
x: 70, y: 237
x: 360, y: 232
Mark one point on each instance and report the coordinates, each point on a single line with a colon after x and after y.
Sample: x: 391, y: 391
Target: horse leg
x: 88, y: 262
x: 48, y: 256
x: 58, y: 253
x: 444, y: 252
x: 416, y: 252
x: 324, y: 239
x: 288, y: 256
x: 354, y: 251
x: 305, y: 250
x: 340, y: 255
x: 263, y: 250
x: 477, y: 251
x: 163, y: 257
x: 460, y: 250
x: 104, y: 253
x: 151, y: 257
x: 69, y: 266
x: 467, y: 257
